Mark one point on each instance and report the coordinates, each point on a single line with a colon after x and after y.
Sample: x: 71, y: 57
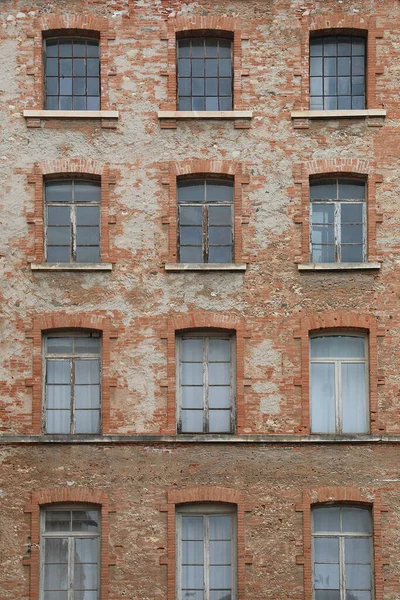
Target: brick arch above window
x: 63, y: 321
x: 340, y: 321
x: 333, y: 23
x: 215, y: 168
x: 47, y: 497
x: 73, y: 167
x: 342, y: 494
x: 202, y: 322
x: 336, y: 168
x: 199, y: 495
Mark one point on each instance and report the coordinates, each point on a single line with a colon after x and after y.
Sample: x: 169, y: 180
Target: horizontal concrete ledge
x: 337, y: 114
x: 205, y: 114
x: 71, y: 266
x: 200, y: 439
x: 205, y: 267
x: 72, y: 114
x: 367, y: 266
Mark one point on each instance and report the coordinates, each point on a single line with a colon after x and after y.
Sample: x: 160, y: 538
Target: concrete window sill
x: 205, y: 114
x: 365, y: 266
x: 71, y: 266
x: 71, y: 114
x: 180, y: 267
x: 337, y: 114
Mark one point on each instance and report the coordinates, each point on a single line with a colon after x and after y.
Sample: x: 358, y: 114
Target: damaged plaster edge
x: 367, y: 266
x: 205, y: 267
x: 71, y: 266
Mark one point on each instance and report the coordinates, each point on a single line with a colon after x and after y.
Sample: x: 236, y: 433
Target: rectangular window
x: 72, y: 214
x: 342, y: 553
x: 339, y: 396
x: 72, y: 74
x: 205, y: 220
x: 70, y: 554
x: 205, y: 74
x: 206, y: 548
x: 337, y: 72
x: 72, y: 383
x: 205, y: 384
x: 338, y: 221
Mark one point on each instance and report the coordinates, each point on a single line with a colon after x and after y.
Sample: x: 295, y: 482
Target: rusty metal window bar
x: 72, y: 74
x: 205, y: 232
x: 338, y: 221
x: 72, y: 376
x: 205, y: 74
x: 337, y: 72
x: 342, y: 553
x: 206, y: 385
x: 70, y: 553
x: 72, y: 211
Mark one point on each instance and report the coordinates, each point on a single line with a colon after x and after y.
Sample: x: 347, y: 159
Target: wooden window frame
x: 206, y: 335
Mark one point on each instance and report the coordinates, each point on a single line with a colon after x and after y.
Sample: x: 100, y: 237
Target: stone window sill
x: 179, y: 267
x: 205, y: 114
x: 337, y: 114
x: 71, y: 114
x: 366, y: 266
x: 71, y: 266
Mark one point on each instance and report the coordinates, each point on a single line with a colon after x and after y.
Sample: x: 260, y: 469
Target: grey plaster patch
x: 270, y: 401
x: 265, y: 355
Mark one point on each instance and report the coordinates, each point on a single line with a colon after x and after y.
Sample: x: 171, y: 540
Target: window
x: 204, y: 73
x: 206, y: 387
x: 205, y: 220
x: 206, y: 535
x: 70, y: 552
x: 337, y: 72
x: 72, y: 382
x: 339, y: 384
x: 338, y: 221
x: 342, y: 553
x: 72, y: 212
x: 72, y: 74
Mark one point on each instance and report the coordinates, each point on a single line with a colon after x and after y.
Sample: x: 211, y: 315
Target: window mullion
x: 72, y: 380
x: 71, y: 568
x: 73, y: 232
x: 205, y: 233
x: 342, y: 569
x: 206, y: 560
x: 337, y: 236
x: 338, y: 396
x: 206, y: 420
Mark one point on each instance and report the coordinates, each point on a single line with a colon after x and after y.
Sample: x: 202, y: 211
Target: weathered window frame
x: 72, y: 536
x: 337, y: 376
x: 206, y: 510
x: 204, y: 335
x: 71, y: 358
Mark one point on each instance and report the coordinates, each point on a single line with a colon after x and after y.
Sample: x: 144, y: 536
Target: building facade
x: 200, y: 322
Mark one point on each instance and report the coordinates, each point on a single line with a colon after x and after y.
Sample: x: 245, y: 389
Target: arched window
x: 339, y: 385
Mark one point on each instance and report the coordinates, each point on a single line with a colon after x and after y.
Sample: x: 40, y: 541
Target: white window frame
x: 337, y: 204
x: 341, y: 538
x: 338, y: 387
x: 205, y: 510
x: 178, y: 353
x: 71, y: 535
x: 72, y: 357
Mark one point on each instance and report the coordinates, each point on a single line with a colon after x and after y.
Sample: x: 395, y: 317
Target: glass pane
x: 326, y: 577
x: 358, y: 65
x: 357, y: 550
x: 85, y: 520
x: 87, y: 236
x: 316, y: 86
x: 58, y: 215
x: 316, y: 47
x: 58, y: 421
x: 316, y: 67
x: 220, y: 527
x: 191, y: 215
x: 93, y: 103
x: 211, y: 69
x: 354, y: 399
x: 55, y: 577
x: 225, y: 48
x: 79, y: 48
x: 219, y: 350
x: 66, y: 102
x: 322, y: 213
x: 219, y: 191
x: 87, y: 371
x: 87, y: 345
x: 352, y: 253
x: 65, y: 68
x: 344, y: 86
x: 52, y: 102
x: 57, y: 254
x: 87, y: 421
x: 219, y: 215
x: 93, y: 86
x: 51, y: 68
x: 344, y: 46
x: 323, y: 254
x: 219, y: 373
x: 191, y: 236
x: 92, y: 49
x: 225, y: 86
x: 192, y: 350
x: 197, y: 47
x: 198, y: 104
x: 322, y: 234
x: 220, y: 235
x: 51, y: 47
x: 211, y: 86
x: 198, y: 86
x: 184, y: 87
x: 58, y: 236
x: 330, y: 46
x: 79, y: 86
x: 326, y: 519
x: 351, y: 213
x: 59, y: 345
x: 225, y: 103
x: 58, y: 371
x: 87, y: 191
x: 339, y: 346
x: 88, y: 254
x: 358, y: 577
x: 351, y: 234
x: 219, y: 396
x: 211, y: 47
x: 192, y: 595
x: 192, y: 553
x: 192, y: 577
x: 56, y: 550
x: 58, y: 396
x: 356, y: 520
x: 326, y: 550
x: 192, y: 373
x: 66, y: 87
x: 327, y: 595
x: 220, y: 577
x: 184, y: 66
x: 192, y: 421
x: 79, y: 67
x: 358, y: 47
x: 86, y: 595
x: 93, y: 67
x: 87, y: 215
x: 85, y: 577
x: 220, y: 254
x: 344, y: 102
x: 344, y: 67
x: 358, y: 86
x: 329, y: 66
x: 219, y: 421
x: 220, y: 595
x: 87, y: 396
x: 192, y: 528
x: 198, y: 67
x: 323, y: 191
x: 58, y: 520
x: 323, y: 398
x: 192, y: 397
x: 330, y: 87
x: 86, y: 550
x: 220, y: 553
x: 212, y: 104
x: 191, y: 254
x: 358, y: 595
